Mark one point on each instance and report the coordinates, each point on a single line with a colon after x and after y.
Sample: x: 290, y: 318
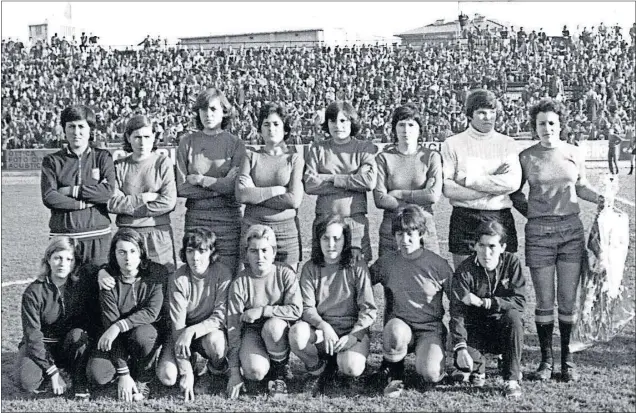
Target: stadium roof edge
x: 251, y: 33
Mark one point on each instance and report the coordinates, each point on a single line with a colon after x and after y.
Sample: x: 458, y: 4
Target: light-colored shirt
x: 556, y: 177
x: 476, y: 156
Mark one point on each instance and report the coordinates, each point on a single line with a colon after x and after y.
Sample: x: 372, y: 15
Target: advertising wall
x: 31, y: 159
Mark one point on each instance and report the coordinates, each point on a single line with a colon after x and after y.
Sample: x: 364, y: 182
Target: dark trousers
x: 139, y: 344
x: 94, y: 250
x: 71, y: 354
x: 500, y: 334
x: 611, y: 160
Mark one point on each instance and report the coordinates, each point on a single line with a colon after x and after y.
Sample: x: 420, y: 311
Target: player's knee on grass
x: 429, y: 359
x: 29, y: 375
x: 299, y: 335
x: 396, y: 337
x: 255, y: 369
x: 274, y: 331
x: 100, y: 370
x: 214, y: 346
x: 351, y: 364
x: 167, y: 373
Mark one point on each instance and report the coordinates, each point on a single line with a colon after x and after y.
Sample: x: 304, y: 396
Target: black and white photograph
x: 318, y: 206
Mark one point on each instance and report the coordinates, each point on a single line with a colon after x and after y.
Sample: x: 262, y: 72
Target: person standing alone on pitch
x: 481, y: 168
x: 77, y: 182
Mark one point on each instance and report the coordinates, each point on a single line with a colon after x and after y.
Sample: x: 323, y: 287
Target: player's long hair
x: 59, y: 243
x: 129, y: 235
x: 317, y: 256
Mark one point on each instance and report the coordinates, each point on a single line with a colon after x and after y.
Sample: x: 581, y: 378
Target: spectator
x: 43, y: 78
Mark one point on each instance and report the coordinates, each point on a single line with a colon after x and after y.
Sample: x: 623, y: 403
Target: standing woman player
x: 207, y: 166
x: 341, y: 170
x: 270, y: 184
x: 146, y: 192
x: 76, y: 183
x: 408, y: 173
x: 555, y: 239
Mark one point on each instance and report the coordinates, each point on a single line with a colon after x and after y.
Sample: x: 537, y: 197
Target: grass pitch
x: 607, y: 370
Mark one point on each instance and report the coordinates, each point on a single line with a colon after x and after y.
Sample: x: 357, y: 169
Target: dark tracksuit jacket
x: 92, y: 177
x: 133, y: 305
x: 48, y: 315
x: 506, y: 289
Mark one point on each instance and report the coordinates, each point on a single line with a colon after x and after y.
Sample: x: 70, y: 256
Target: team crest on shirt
x: 95, y: 174
x: 505, y: 282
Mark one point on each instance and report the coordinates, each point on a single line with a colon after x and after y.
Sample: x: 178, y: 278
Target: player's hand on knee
x: 345, y: 342
x: 253, y: 314
x: 330, y: 336
x: 183, y: 343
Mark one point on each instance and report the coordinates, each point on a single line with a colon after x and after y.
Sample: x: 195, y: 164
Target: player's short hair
x: 199, y: 238
x: 480, y: 99
x: 78, y: 112
x: 406, y: 112
x: 136, y: 122
x: 259, y: 231
x: 547, y: 105
x: 490, y: 228
x: 408, y: 218
x: 331, y: 114
x: 203, y: 102
x: 271, y: 108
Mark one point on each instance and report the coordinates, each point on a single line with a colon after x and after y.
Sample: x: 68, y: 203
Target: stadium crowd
x: 593, y: 71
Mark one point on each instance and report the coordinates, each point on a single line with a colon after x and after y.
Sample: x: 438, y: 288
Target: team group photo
x: 437, y: 219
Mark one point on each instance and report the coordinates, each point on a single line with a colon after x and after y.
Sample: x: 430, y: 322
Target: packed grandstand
x: 592, y: 71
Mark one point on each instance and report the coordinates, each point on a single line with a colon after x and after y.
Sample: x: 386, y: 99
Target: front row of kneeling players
x: 245, y: 328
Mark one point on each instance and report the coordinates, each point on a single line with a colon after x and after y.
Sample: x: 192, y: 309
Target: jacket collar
x: 71, y: 153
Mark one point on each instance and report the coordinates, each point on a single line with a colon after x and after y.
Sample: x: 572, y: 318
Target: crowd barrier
x: 31, y: 159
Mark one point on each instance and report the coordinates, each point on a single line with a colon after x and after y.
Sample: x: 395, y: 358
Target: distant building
x: 43, y: 31
x: 284, y: 38
x: 62, y: 25
x: 442, y: 32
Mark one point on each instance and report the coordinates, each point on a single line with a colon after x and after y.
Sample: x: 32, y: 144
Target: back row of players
x: 237, y: 301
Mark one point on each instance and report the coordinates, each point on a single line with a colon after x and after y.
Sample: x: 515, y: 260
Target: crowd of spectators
x: 592, y: 71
